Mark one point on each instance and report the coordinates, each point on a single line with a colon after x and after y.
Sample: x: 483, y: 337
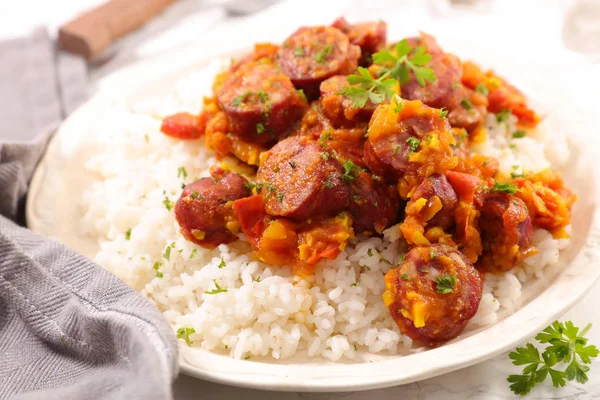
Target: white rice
x: 265, y: 311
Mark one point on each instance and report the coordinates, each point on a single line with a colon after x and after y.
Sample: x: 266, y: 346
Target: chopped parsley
x: 328, y: 184
x: 167, y: 253
x: 413, y: 143
x: 249, y: 185
x: 299, y: 51
x: 351, y: 171
x: 260, y: 128
x: 402, y: 257
x: 301, y: 93
x: 398, y: 108
x: 218, y: 289
x: 222, y: 264
x: 519, y: 134
x: 128, y: 234
x: 432, y: 254
x: 168, y: 203
x: 405, y: 277
x: 515, y: 175
x: 396, y: 149
x: 386, y: 261
x: 263, y: 97
x: 325, y: 137
x: 504, y: 188
x: 280, y: 197
x: 322, y: 54
x: 455, y: 85
x: 354, y: 284
x: 292, y: 164
x: 445, y: 283
x: 395, y: 68
x: 196, y: 195
x: 182, y: 173
x: 443, y: 112
x: 370, y: 252
x: 193, y: 254
x: 466, y: 103
x: 325, y: 155
x: 184, y: 333
x: 247, y: 357
x: 503, y: 115
x: 270, y: 187
x: 240, y: 99
x: 481, y: 89
x: 257, y: 279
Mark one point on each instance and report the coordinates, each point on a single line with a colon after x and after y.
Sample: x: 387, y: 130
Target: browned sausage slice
x: 506, y: 232
x: 260, y: 102
x: 300, y: 179
x: 393, y: 137
x: 204, y: 208
x: 369, y: 36
x: 443, y: 92
x: 433, y: 293
x: 313, y: 54
x: 374, y: 205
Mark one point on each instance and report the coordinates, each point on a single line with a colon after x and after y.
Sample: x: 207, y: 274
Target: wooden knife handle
x: 94, y: 31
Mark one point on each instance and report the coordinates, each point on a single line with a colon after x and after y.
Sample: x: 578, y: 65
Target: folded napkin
x: 68, y: 328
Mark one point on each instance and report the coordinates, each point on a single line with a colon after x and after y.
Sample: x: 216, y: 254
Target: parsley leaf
x: 218, y: 289
x: 240, y: 99
x: 182, y: 173
x: 394, y: 69
x: 168, y: 203
x: 565, y: 344
x: 445, y: 283
x: 128, y: 234
x: 504, y: 188
x: 482, y: 89
x: 299, y: 51
x: 519, y: 134
x: 413, y: 143
x: 249, y: 185
x: 260, y: 128
x: 443, y: 112
x: 184, y: 333
x: 405, y: 277
x: 322, y: 54
x: 222, y: 264
x: 351, y: 171
x: 466, y: 103
x: 503, y: 115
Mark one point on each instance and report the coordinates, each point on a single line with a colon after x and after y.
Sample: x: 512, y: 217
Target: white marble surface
x: 486, y: 380
x: 191, y: 20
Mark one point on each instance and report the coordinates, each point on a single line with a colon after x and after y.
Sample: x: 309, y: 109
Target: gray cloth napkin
x: 68, y: 328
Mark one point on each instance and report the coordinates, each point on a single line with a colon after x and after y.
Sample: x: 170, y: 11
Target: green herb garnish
x: 566, y: 345
x: 184, y: 333
x: 394, y: 69
x: 445, y: 283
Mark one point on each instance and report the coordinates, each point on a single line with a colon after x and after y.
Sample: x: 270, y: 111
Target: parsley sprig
x: 566, y: 345
x: 394, y: 69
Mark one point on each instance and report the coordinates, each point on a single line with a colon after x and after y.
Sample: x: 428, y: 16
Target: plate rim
x: 105, y: 97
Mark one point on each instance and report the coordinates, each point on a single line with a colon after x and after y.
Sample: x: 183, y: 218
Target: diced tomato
x: 183, y: 126
x: 465, y: 185
x: 251, y: 214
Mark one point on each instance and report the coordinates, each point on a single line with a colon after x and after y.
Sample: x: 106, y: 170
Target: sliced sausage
x: 260, y: 102
x: 437, y: 185
x: 471, y: 112
x: 347, y: 141
x: 338, y: 107
x: 204, y: 210
x: 374, y: 205
x: 300, y: 179
x: 392, y: 137
x: 312, y: 54
x: 506, y: 232
x: 443, y: 92
x: 433, y: 293
x: 369, y: 36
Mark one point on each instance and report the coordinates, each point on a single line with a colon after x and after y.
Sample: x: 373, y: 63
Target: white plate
x: 60, y: 179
